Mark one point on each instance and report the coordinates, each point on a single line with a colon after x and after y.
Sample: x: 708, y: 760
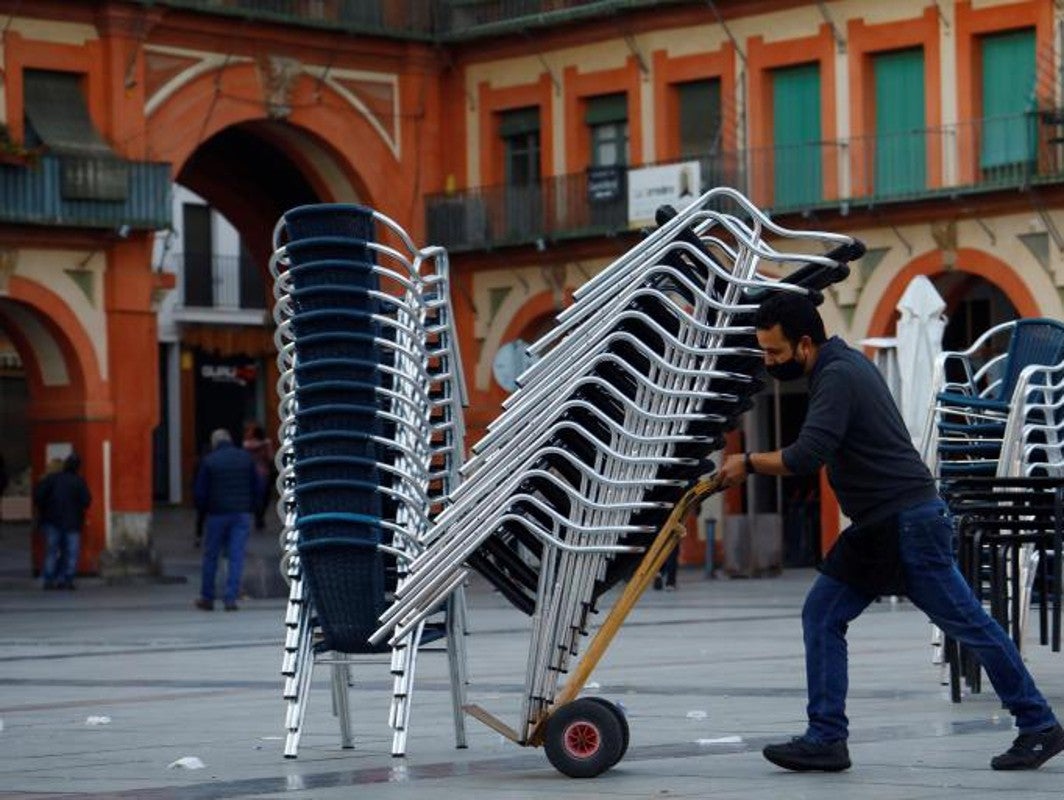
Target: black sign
x: 604, y: 184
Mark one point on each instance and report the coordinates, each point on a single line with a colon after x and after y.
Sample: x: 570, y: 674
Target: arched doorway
x: 217, y: 354
x: 973, y: 306
x: 15, y: 473
x: 53, y: 403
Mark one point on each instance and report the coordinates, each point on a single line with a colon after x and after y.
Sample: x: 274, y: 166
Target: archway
x: 217, y: 353
x: 64, y: 409
x: 970, y: 264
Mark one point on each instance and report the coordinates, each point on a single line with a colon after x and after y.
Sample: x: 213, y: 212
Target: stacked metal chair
x: 973, y: 394
x: 371, y: 431
x: 993, y: 440
x: 632, y: 392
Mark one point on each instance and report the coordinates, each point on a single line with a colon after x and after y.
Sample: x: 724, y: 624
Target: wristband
x: 748, y: 464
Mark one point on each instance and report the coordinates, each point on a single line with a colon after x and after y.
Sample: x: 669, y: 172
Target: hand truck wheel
x: 583, y: 738
x: 622, y: 718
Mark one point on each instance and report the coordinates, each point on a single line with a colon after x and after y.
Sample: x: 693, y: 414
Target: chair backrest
x: 1034, y: 341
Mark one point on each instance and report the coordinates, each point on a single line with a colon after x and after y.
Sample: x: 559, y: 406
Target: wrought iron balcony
x: 85, y: 193
x: 965, y: 158
x: 219, y: 283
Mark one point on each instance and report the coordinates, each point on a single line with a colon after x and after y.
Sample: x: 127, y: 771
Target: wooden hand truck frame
x: 584, y: 737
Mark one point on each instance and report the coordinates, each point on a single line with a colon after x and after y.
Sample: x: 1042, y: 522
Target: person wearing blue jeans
x: 61, y: 499
x: 228, y: 532
x: 60, y: 556
x: 227, y: 489
x: 901, y: 540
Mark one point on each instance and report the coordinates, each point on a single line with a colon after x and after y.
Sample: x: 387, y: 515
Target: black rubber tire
x: 622, y: 718
x: 583, y: 738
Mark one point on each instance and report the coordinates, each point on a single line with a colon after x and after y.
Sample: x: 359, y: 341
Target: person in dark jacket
x: 900, y: 540
x: 61, y: 499
x: 227, y: 490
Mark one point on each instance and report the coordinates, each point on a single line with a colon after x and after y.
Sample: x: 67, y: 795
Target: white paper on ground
x: 97, y: 720
x: 696, y: 714
x: 720, y: 740
x: 186, y: 762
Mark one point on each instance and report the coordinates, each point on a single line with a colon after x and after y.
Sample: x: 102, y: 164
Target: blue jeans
x: 60, y: 554
x: 936, y: 587
x: 230, y: 531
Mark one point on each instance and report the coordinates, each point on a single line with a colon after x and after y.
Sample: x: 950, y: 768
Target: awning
x: 58, y: 114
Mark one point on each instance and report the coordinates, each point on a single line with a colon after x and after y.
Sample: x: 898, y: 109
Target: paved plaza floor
x: 102, y: 689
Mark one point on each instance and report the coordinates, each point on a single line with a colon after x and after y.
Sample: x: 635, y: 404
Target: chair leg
x: 953, y: 659
x: 404, y: 660
x: 341, y: 680
x: 456, y: 662
x: 300, y: 688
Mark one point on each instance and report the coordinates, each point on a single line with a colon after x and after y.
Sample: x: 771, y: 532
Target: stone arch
x: 343, y: 147
x: 69, y: 400
x: 976, y: 262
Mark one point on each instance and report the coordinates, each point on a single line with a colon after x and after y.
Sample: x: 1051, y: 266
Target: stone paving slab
x: 708, y: 675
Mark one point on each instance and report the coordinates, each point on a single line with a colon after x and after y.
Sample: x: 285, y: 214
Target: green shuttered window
x: 796, y: 136
x: 900, y: 149
x: 1008, y: 140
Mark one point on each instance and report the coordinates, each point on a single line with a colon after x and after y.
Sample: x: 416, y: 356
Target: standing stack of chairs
x: 1009, y: 549
x: 371, y: 432
x: 994, y: 440
x: 973, y: 392
x: 631, y: 393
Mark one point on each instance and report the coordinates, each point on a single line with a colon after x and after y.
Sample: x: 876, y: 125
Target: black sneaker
x: 1031, y: 750
x: 802, y: 755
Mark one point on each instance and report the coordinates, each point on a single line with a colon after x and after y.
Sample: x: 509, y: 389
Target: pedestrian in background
x: 261, y: 450
x: 201, y: 515
x: 227, y: 490
x: 3, y: 484
x: 667, y: 574
x: 61, y: 499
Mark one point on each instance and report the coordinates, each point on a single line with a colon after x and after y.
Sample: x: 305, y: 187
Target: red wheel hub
x: 582, y: 739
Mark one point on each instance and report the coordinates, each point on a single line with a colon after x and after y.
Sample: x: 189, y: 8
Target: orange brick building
x: 510, y: 133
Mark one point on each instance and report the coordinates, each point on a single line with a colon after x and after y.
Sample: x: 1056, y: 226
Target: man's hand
x: 733, y: 470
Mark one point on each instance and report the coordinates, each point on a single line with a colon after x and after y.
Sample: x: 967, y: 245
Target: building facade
x: 930, y: 130
x: 530, y: 137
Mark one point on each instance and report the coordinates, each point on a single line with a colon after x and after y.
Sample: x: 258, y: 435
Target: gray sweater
x: 854, y: 427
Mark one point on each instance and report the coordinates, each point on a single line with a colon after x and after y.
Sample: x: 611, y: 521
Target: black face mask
x: 789, y: 370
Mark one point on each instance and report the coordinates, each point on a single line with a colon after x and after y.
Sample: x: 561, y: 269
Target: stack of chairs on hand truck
x: 371, y: 432
x: 631, y: 392
x: 994, y: 440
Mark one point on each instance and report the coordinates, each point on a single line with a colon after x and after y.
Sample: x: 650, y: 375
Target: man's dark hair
x: 794, y: 313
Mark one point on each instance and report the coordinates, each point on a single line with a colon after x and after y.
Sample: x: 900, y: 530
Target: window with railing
x: 197, y: 268
x: 1009, y: 135
x: 797, y: 161
x: 900, y: 151
x: 519, y: 130
x: 700, y: 128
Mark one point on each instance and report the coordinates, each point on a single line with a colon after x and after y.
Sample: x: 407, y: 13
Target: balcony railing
x: 438, y: 20
x: 52, y: 191
x: 976, y: 156
x: 219, y: 281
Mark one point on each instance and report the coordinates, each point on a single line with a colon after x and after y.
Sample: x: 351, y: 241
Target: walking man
x: 900, y: 540
x: 227, y: 489
x: 61, y: 499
